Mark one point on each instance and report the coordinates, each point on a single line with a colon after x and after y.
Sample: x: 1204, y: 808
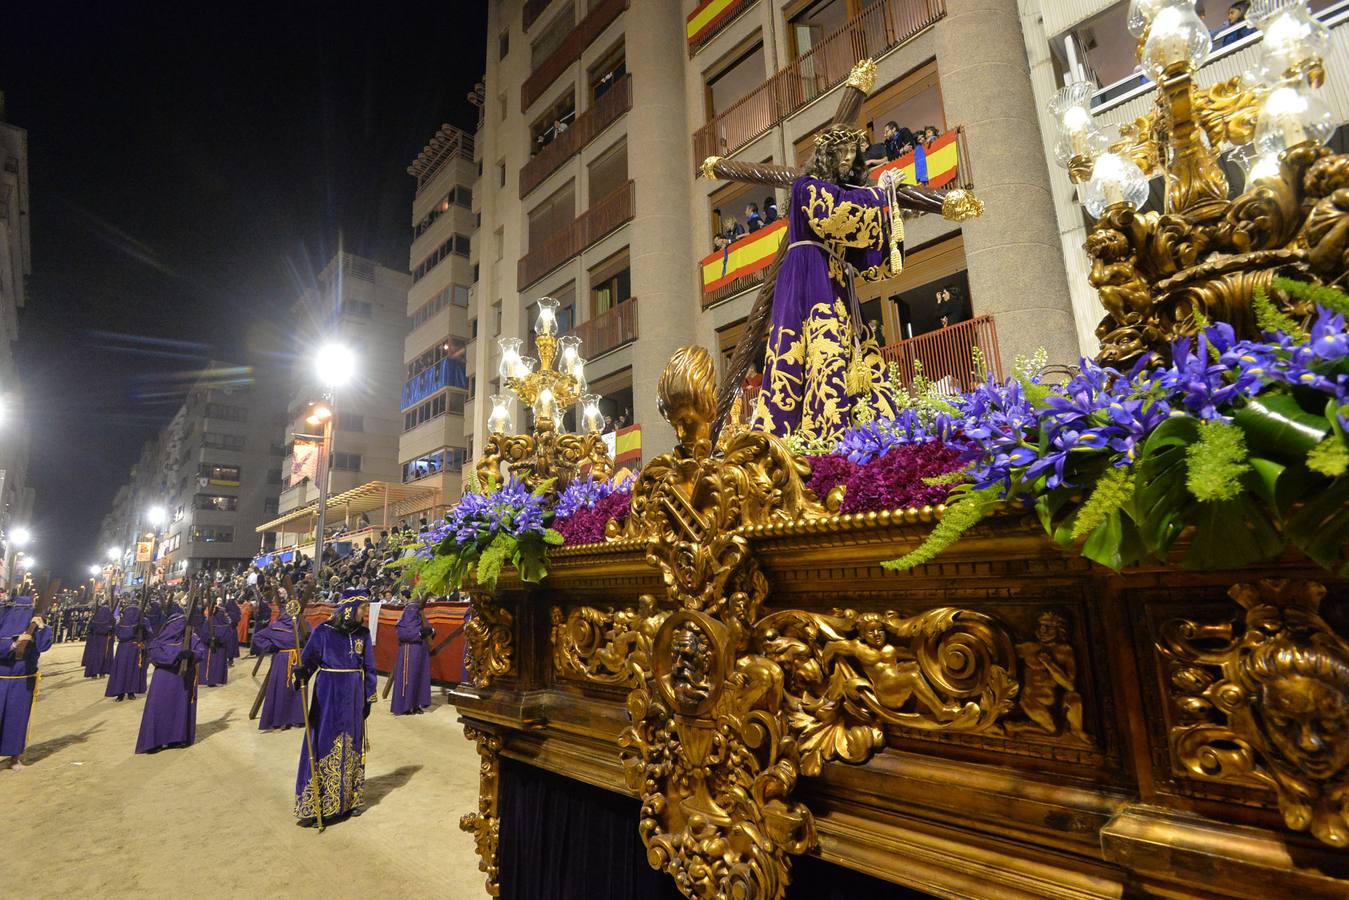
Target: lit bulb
x: 592, y: 420
x: 1292, y: 37
x: 1078, y: 134
x: 546, y: 324
x: 569, y: 350
x: 545, y: 407
x: 499, y: 421
x: 1141, y: 13
x: 1290, y: 116
x: 1177, y: 36
x: 509, y: 365
x: 1114, y: 179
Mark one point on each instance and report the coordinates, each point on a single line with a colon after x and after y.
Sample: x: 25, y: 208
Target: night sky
x: 191, y: 167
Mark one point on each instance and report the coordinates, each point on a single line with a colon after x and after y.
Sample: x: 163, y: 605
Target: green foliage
x: 1113, y: 490
x: 1330, y: 457
x: 1329, y: 297
x: 1270, y: 319
x: 955, y: 477
x: 1216, y: 462
x: 960, y: 516
x: 799, y: 444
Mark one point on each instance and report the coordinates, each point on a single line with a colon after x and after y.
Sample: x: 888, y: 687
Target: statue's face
x: 689, y: 672
x: 872, y: 633
x: 689, y: 427
x: 1306, y: 722
x: 1050, y: 629
x: 847, y: 159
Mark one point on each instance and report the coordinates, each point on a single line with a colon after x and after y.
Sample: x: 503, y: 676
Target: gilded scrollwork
x: 485, y: 824
x: 1263, y: 701
x: 605, y: 646
x: 488, y: 640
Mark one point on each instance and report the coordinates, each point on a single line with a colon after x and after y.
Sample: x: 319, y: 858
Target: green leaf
x: 1320, y: 528
x: 493, y: 559
x: 1231, y: 533
x: 1115, y: 543
x: 553, y: 537
x: 544, y: 487
x: 1277, y: 427
x: 1162, y: 500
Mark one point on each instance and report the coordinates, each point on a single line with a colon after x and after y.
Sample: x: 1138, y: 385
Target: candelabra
x: 548, y: 385
x: 1205, y: 256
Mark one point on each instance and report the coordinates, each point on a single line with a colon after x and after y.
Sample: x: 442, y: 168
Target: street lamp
x: 18, y: 539
x: 334, y: 364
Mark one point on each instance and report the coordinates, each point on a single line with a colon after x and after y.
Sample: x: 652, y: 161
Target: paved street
x: 89, y: 818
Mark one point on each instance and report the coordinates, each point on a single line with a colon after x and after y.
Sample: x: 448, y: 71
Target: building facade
x: 363, y: 306
x: 597, y: 114
x: 433, y: 446
x: 16, y: 267
x: 1089, y: 41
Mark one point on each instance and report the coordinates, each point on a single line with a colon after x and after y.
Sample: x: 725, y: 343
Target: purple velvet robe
x: 128, y: 672
x: 814, y: 339
x: 233, y: 613
x: 98, y: 643
x: 281, y: 704
x: 343, y: 683
x: 170, y: 715
x: 18, y: 674
x: 212, y: 632
x: 412, y: 666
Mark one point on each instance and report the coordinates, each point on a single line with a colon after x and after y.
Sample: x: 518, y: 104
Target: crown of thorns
x: 833, y: 137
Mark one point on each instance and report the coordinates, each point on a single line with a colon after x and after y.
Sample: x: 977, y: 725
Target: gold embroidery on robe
x: 340, y: 772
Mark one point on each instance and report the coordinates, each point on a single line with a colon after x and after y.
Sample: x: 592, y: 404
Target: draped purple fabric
x: 412, y: 666
x: 213, y: 631
x: 98, y: 643
x: 170, y: 715
x: 344, y: 681
x: 18, y: 673
x: 281, y: 704
x: 128, y: 673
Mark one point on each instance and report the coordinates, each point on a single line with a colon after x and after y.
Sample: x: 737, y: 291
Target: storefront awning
x: 371, y: 496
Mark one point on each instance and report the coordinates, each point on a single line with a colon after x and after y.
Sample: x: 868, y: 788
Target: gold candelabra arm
x: 547, y: 347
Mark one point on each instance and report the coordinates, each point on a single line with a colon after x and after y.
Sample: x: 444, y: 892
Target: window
x: 472, y: 328
x: 274, y: 476
x: 441, y: 207
x: 609, y: 172
x: 457, y: 244
x: 472, y: 386
x: 221, y: 502
x: 446, y: 459
x: 503, y: 44
x: 217, y: 474
x: 350, y: 422
x: 226, y: 412
x: 212, y: 534
x: 447, y: 401
x: 450, y: 295
x: 610, y: 283
x: 553, y: 216
x: 347, y: 462
x: 475, y: 273
x: 609, y: 70
x: 270, y: 506
x: 552, y: 123
x: 217, y: 441
x: 501, y: 173
x: 357, y: 309
x: 734, y: 81
x: 500, y: 241
x: 450, y: 348
x: 551, y: 36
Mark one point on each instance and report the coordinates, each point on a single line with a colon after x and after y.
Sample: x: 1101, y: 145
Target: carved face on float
x: 691, y: 667
x: 1051, y: 628
x: 871, y: 630
x: 1305, y: 719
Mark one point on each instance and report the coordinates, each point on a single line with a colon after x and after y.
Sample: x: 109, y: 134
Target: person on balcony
x: 770, y: 209
x: 753, y: 221
x: 950, y: 307
x: 1229, y: 31
x: 821, y: 364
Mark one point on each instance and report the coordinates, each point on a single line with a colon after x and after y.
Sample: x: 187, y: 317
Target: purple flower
x: 895, y: 480
x: 586, y: 525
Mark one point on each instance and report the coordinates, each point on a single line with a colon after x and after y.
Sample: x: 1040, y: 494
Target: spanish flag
x: 708, y: 17
x: 942, y: 163
x: 745, y: 257
x: 628, y: 446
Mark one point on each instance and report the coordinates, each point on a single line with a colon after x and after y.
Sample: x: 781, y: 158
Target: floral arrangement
x: 1243, y: 440
x: 506, y: 523
x: 586, y: 505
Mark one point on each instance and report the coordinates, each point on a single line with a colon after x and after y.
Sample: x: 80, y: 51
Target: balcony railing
x: 609, y: 330
x: 573, y: 45
x: 586, y: 229
x: 946, y: 356
x: 588, y: 125
x: 533, y: 9
x: 708, y: 18
x: 877, y: 30
x: 446, y: 373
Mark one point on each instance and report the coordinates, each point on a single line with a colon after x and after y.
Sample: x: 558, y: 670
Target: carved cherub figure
x: 690, y: 673
x: 894, y: 672
x: 1049, y: 685
x: 1124, y: 293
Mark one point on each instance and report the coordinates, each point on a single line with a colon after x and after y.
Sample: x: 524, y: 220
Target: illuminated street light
x: 20, y: 536
x: 156, y: 516
x: 114, y: 554
x: 27, y: 562
x: 334, y: 364
x: 95, y: 570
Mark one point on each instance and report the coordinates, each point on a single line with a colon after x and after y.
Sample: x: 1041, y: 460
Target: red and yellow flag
x: 942, y: 163
x: 708, y: 16
x: 746, y: 256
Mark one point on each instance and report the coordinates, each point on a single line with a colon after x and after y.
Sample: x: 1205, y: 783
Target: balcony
x: 446, y: 373
x: 707, y: 20
x: 946, y: 355
x: 573, y: 45
x: 609, y: 330
x: 878, y: 30
x: 588, y: 126
x: 533, y: 9
x: 593, y: 224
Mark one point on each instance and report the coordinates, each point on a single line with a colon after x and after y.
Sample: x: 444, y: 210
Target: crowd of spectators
x: 732, y: 229
x: 897, y: 142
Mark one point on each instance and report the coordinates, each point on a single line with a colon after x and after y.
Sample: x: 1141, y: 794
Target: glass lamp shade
x: 1176, y: 35
x: 1078, y: 134
x: 592, y: 420
x: 1140, y: 15
x: 499, y: 420
x: 1291, y: 37
x: 509, y: 365
x: 1114, y: 179
x: 546, y: 324
x: 526, y: 366
x: 578, y: 372
x: 545, y: 407
x: 568, y: 351
x: 1290, y: 115
x: 1256, y: 166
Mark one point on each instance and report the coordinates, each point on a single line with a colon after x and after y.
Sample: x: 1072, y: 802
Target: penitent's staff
x: 295, y: 608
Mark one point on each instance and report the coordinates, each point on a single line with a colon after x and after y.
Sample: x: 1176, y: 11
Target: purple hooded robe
x: 18, y: 674
x: 98, y: 643
x: 213, y: 630
x: 281, y: 704
x: 412, y: 667
x: 128, y: 671
x: 233, y: 613
x: 170, y: 715
x: 835, y: 235
x: 344, y: 683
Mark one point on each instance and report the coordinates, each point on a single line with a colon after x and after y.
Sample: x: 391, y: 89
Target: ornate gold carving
x: 488, y: 640
x: 606, y: 647
x: 536, y: 458
x: 485, y: 824
x: 708, y: 168
x: 1265, y: 702
x: 1049, y: 696
x: 960, y: 205
x: 849, y: 675
x: 862, y: 76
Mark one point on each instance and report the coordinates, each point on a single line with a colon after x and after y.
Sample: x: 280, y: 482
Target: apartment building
x: 1088, y: 40
x: 363, y: 306
x: 596, y: 114
x: 433, y: 445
